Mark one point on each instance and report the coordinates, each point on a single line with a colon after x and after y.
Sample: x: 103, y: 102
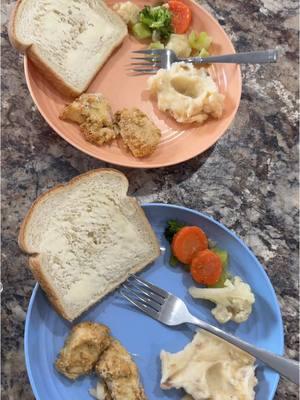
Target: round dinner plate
x: 143, y: 337
x: 179, y: 142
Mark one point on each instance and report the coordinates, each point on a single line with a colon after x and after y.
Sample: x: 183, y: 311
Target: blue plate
x: 144, y: 337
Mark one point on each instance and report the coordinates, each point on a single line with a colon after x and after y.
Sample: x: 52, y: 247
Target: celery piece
x: 192, y: 39
x: 156, y: 45
x: 203, y: 53
x: 223, y: 254
x: 141, y: 31
x: 221, y: 281
x: 199, y: 41
x: 204, y: 41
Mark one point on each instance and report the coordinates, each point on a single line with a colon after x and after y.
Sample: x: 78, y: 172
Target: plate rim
x: 146, y: 164
x: 205, y: 216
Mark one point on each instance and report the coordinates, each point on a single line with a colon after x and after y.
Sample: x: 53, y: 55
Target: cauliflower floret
x: 128, y: 11
x: 233, y: 302
x: 180, y: 45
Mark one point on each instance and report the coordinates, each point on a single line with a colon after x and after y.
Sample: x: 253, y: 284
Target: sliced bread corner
x: 85, y: 238
x: 68, y: 40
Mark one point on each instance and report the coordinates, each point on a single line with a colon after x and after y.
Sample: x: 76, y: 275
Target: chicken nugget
x: 82, y: 349
x: 94, y: 115
x: 120, y: 373
x: 138, y: 132
x: 72, y: 112
x: 94, y: 133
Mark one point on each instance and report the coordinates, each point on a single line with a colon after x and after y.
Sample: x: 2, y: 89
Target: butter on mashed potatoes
x: 210, y: 368
x: 189, y: 94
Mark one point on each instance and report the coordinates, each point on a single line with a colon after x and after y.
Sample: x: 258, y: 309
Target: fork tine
x: 162, y: 293
x: 147, y: 310
x: 144, y: 71
x: 142, y: 289
x: 147, y: 300
x: 149, y: 51
x: 148, y: 59
x: 132, y: 74
x: 147, y: 64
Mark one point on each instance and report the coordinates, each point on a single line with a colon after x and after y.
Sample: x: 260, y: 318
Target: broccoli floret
x: 158, y: 19
x: 173, y: 226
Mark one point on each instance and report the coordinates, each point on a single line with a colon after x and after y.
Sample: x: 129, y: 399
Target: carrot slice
x: 206, y: 267
x: 181, y: 16
x: 187, y: 242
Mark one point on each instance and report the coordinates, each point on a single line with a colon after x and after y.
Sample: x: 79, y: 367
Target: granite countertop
x: 248, y: 180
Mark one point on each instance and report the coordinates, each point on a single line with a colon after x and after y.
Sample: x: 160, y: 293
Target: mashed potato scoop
x: 188, y: 94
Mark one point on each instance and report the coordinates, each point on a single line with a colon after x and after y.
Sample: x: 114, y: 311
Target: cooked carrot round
x: 181, y: 16
x: 206, y: 267
x: 187, y: 242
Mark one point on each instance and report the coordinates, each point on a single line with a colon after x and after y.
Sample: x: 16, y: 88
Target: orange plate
x: 179, y: 142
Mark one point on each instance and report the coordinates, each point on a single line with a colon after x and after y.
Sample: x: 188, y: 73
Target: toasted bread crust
x: 34, y: 259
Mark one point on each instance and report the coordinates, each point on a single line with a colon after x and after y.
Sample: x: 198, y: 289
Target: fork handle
x: 285, y: 367
x: 253, y: 57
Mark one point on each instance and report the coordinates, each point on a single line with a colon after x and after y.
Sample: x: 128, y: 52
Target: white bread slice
x: 68, y: 40
x: 85, y: 238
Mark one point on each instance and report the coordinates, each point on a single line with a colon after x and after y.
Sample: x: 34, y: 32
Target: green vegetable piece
x: 221, y: 281
x: 204, y: 41
x: 156, y: 36
x: 173, y: 226
x: 199, y: 42
x: 157, y: 19
x: 192, y: 38
x: 203, y: 53
x: 141, y: 31
x: 223, y: 254
x: 156, y: 45
x: 173, y: 261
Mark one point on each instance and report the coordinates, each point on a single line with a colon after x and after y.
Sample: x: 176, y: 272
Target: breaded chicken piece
x: 72, y: 112
x: 120, y: 373
x: 138, y: 132
x: 94, y: 115
x: 96, y: 134
x: 82, y: 349
x: 100, y: 391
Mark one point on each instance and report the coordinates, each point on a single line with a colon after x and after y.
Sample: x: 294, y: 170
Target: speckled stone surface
x: 248, y: 180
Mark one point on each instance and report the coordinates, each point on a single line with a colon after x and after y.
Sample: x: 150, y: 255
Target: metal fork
x: 155, y: 59
x: 170, y: 310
